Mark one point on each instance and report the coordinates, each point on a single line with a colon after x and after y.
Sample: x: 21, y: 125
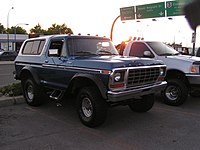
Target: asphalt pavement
x: 7, y: 100
x: 6, y: 73
x: 50, y: 127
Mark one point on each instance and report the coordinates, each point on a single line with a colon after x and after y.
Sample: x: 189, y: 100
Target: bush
x: 14, y: 89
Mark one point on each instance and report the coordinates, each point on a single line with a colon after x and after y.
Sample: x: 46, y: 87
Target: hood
x: 184, y: 58
x: 110, y: 62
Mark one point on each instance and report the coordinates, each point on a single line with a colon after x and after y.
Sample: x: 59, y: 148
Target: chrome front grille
x: 142, y: 76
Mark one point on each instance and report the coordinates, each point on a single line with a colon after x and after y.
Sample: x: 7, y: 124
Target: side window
x: 56, y: 45
x: 27, y: 48
x: 64, y: 50
x: 33, y: 47
x: 41, y: 46
x: 137, y: 49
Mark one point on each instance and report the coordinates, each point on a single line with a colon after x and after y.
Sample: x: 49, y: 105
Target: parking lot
x: 51, y: 127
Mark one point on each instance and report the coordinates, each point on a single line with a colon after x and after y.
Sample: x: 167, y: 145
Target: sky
x: 94, y: 17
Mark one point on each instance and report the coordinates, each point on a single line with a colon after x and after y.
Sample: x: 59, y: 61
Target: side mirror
x: 53, y: 52
x: 148, y: 54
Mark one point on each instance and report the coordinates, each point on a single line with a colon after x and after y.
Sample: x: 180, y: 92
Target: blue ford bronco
x: 90, y: 68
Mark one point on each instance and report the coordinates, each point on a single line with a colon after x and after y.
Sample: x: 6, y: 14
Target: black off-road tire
x: 175, y: 93
x: 33, y: 94
x: 91, y: 107
x: 142, y: 105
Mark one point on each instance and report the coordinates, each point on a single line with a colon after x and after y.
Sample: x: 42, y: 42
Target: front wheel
x: 175, y: 93
x: 91, y: 107
x: 142, y: 105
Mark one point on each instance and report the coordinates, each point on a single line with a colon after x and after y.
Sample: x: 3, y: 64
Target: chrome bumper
x: 135, y: 93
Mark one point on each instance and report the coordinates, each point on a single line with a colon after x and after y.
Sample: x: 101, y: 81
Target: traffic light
x: 192, y: 14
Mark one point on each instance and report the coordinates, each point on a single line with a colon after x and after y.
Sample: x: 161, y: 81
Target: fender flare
x: 32, y: 72
x: 95, y: 80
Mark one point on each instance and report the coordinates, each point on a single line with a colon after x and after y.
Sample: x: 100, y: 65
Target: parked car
x: 183, y: 73
x: 8, y: 55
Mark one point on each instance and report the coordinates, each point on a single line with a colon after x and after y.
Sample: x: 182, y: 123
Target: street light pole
x: 8, y: 26
x: 111, y: 32
x: 15, y: 32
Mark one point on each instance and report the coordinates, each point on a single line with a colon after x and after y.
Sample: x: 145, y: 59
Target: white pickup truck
x: 183, y: 71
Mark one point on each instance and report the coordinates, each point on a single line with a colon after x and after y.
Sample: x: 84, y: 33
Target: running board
x: 57, y: 95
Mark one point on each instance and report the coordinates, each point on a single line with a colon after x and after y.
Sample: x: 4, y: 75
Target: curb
x: 6, y: 62
x: 9, y: 101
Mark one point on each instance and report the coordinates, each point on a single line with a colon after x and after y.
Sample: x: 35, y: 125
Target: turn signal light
x: 193, y: 69
x: 114, y: 86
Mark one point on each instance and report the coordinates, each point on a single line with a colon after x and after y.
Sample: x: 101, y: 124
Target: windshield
x: 162, y: 49
x: 90, y: 46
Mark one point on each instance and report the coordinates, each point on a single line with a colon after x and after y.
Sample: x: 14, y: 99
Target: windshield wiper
x: 177, y: 54
x: 85, y: 53
x: 166, y: 54
x: 105, y: 52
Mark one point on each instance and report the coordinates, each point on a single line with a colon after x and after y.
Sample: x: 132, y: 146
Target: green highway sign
x: 127, y: 13
x: 174, y: 8
x: 150, y: 10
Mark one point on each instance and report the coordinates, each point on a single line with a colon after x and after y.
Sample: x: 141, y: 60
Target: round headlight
x: 117, y: 77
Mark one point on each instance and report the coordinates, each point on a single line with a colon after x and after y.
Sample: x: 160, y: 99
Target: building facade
x: 12, y: 42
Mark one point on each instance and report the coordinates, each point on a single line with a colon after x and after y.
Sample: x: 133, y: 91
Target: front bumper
x: 135, y: 93
x: 194, y: 80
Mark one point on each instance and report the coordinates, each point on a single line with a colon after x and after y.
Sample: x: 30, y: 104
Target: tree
x: 59, y: 29
x: 54, y: 29
x: 2, y: 29
x: 19, y: 30
x: 37, y: 30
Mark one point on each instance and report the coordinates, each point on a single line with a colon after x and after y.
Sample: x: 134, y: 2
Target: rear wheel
x: 91, y: 107
x: 175, y: 93
x: 33, y: 94
x: 142, y: 105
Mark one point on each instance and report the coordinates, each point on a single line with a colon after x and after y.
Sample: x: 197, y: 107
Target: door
x: 56, y: 72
